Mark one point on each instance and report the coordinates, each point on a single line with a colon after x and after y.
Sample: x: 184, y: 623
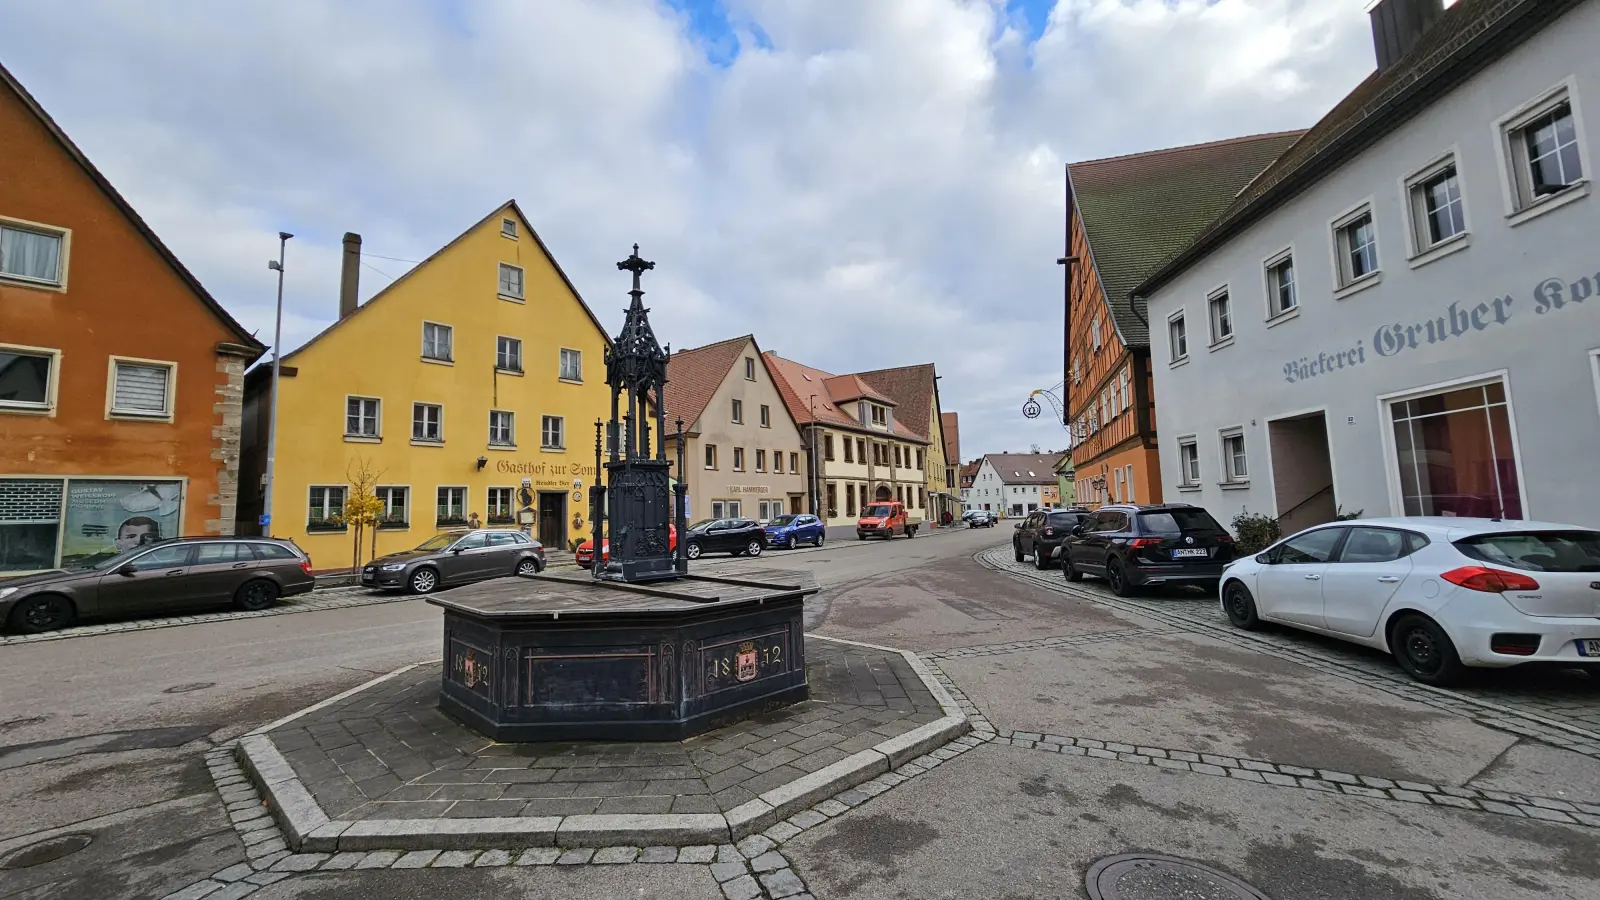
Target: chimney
x: 1397, y: 25
x: 350, y: 274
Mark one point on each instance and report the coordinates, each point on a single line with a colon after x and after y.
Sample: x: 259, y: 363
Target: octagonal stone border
x: 307, y: 828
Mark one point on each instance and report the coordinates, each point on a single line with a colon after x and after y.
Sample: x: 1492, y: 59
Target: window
x: 1373, y: 545
x: 1356, y: 245
x: 922, y: 498
x: 738, y: 459
x: 761, y: 460
x: 427, y: 422
x: 1116, y: 488
x: 29, y: 255
x: 551, y: 433
x: 452, y: 506
x: 27, y: 377
x: 436, y: 342
x: 571, y: 365
x: 1094, y: 333
x: 1128, y: 480
x: 738, y: 412
x: 1281, y: 296
x: 711, y: 456
x: 1545, y: 156
x: 1178, y: 338
x: 1188, y: 463
x: 508, y: 228
x: 272, y: 551
x: 777, y: 461
x: 1077, y: 370
x: 1313, y: 547
x: 919, y: 459
x: 164, y: 558
x: 145, y: 389
x: 498, y: 510
x: 511, y: 281
x: 1234, y: 464
x: 508, y: 354
x: 361, y: 417
x: 897, y: 462
x: 850, y: 500
x: 1127, y: 389
x: 848, y: 456
x: 393, y: 513
x: 325, y: 509
x: 1455, y: 455
x: 749, y: 369
x: 502, y: 428
x: 794, y: 462
x: 1221, y: 317
x: 827, y: 447
x: 718, y: 509
x: 1437, y: 213
x: 766, y: 416
x: 833, y: 499
x: 861, y: 449
x: 880, y: 415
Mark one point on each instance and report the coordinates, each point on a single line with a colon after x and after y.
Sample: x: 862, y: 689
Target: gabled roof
x: 969, y: 470
x: 798, y: 382
x: 245, y: 338
x: 1464, y: 39
x: 844, y: 388
x: 1138, y: 211
x: 950, y: 423
x: 498, y: 212
x: 694, y: 375
x: 912, y: 386
x: 1024, y: 468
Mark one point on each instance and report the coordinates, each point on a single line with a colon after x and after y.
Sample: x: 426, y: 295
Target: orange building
x: 120, y: 377
x: 1125, y: 217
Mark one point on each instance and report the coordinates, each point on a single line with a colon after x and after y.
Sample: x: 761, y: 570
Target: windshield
x: 1537, y: 551
x: 702, y: 523
x: 105, y: 561
x: 878, y: 510
x: 438, y: 541
x: 1063, y: 520
x: 784, y: 520
x: 1195, y: 522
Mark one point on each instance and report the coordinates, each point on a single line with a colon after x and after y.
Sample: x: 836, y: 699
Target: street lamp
x: 275, y: 265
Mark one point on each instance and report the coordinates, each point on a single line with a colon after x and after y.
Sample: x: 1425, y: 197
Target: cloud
x: 860, y: 185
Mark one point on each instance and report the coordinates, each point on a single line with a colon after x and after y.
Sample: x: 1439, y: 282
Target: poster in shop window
x: 105, y: 517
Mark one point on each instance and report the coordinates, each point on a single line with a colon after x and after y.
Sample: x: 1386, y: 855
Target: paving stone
x: 236, y: 873
x: 416, y: 859
x: 1371, y: 781
x: 574, y: 857
x: 1449, y: 800
x: 1227, y: 762
x: 658, y: 855
x: 493, y: 858
x: 300, y: 862
x: 1548, y: 803
x: 1152, y: 752
x: 1246, y: 775
x: 769, y: 862
x: 1101, y: 754
x: 455, y: 859
x: 1408, y: 796
x: 744, y: 887
x: 1467, y: 793
x: 781, y: 832
x: 615, y: 855
x: 1416, y: 786
x: 378, y: 859
x: 1360, y: 791
x: 1504, y: 809
x: 755, y: 845
x: 698, y: 854
x: 341, y: 861
x: 1120, y: 748
x: 728, y: 871
x: 1088, y: 744
x: 196, y: 891
x: 1176, y: 764
x: 808, y: 818
x: 1283, y: 780
x: 1317, y: 784
x: 539, y: 856
x: 1184, y: 755
x: 1207, y: 769
x: 1339, y: 777
x: 782, y: 883
x: 1548, y: 815
x: 265, y: 878
x: 1586, y: 819
x: 261, y: 863
x: 728, y: 853
x: 1257, y: 766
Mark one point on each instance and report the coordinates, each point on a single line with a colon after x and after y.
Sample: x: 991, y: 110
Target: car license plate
x: 1199, y: 552
x: 1589, y: 648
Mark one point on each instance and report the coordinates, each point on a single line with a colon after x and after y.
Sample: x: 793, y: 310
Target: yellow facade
x: 387, y: 351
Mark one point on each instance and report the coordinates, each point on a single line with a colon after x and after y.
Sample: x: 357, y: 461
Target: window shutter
x: 140, y: 389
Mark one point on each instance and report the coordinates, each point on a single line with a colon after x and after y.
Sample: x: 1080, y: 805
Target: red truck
x: 885, y: 519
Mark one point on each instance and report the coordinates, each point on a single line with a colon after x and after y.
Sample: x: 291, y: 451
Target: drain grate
x: 1142, y: 876
x: 45, y: 851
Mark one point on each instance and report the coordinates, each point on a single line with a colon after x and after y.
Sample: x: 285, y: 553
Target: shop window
x: 1454, y: 453
x: 30, y: 523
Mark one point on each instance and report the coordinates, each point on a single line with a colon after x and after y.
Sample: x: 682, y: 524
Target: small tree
x: 1256, y: 532
x: 363, y: 509
x: 1341, y: 516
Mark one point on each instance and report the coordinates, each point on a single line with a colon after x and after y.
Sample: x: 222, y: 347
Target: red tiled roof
x: 912, y: 387
x: 694, y: 375
x: 798, y: 382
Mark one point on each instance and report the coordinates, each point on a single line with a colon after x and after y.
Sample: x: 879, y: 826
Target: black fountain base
x: 568, y: 658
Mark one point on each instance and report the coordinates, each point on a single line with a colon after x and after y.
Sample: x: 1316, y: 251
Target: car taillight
x: 1493, y: 581
x: 1224, y: 538
x: 1141, y: 543
x: 1049, y: 532
x: 305, y: 566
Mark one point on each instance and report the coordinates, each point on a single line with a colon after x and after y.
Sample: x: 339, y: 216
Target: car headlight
x: 394, y: 567
x: 6, y: 592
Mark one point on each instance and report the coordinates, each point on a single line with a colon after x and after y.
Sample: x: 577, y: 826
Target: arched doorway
x: 883, y: 493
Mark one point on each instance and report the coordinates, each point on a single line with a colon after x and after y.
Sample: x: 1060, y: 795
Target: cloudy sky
x: 860, y: 183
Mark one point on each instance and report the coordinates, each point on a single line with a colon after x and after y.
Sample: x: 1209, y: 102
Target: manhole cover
x: 45, y: 851
x: 192, y: 686
x: 1140, y: 876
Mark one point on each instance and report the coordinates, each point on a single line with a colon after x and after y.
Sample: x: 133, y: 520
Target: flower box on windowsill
x: 315, y: 525
x: 452, y: 522
x: 501, y: 520
x: 396, y: 524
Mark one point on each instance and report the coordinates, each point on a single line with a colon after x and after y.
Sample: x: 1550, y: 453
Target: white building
x: 1399, y: 316
x: 1015, y: 484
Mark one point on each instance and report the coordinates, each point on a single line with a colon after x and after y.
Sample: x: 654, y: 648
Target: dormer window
x: 880, y: 415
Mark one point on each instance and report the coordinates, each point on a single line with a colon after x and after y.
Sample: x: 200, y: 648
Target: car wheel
x: 1241, y: 607
x: 1067, y: 569
x: 46, y: 612
x: 752, y: 549
x: 1016, y: 550
x: 691, y: 550
x: 424, y: 580
x: 820, y: 537
x: 527, y: 567
x: 1422, y: 648
x: 1041, y: 558
x: 860, y: 537
x: 1118, y: 579
x: 255, y: 595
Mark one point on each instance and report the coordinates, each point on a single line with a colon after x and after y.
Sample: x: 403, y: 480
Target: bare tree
x: 363, y: 509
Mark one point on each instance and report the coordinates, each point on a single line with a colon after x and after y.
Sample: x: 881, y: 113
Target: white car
x: 1438, y: 593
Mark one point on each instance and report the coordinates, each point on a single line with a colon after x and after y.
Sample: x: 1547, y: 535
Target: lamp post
x: 816, y: 467
x: 275, y: 265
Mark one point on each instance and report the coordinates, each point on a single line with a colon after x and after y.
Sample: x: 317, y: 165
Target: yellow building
x: 476, y: 375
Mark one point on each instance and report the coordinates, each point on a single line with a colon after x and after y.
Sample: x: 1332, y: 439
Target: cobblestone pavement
x: 1557, y: 708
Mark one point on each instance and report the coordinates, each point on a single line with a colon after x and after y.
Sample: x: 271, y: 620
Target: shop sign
x: 749, y: 489
x: 545, y: 474
x: 105, y: 517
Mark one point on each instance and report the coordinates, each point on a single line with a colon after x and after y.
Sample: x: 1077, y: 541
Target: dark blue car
x: 794, y: 530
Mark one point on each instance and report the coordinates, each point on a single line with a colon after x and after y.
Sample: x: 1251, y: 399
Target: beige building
x: 915, y: 391
x: 743, y: 454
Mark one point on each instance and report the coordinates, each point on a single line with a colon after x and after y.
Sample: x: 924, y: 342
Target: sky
x: 859, y: 183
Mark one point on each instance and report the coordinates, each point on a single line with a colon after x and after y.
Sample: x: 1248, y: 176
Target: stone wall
x: 226, y: 438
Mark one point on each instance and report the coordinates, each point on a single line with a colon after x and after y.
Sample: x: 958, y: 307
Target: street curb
x: 307, y: 828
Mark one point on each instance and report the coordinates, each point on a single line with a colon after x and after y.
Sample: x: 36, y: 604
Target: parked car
x: 1043, y: 531
x: 167, y: 576
x: 740, y: 537
x: 979, y: 518
x: 1133, y: 546
x: 792, y: 530
x: 450, y: 558
x: 1440, y: 594
x: 885, y: 519
x: 585, y: 551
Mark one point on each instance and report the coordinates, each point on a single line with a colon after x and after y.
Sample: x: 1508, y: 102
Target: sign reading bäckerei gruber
x: 1454, y: 320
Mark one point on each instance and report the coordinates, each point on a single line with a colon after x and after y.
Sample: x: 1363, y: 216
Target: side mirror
x: 1077, y: 530
x: 1264, y: 558
x: 127, y: 569
x: 1017, y: 526
x: 456, y: 549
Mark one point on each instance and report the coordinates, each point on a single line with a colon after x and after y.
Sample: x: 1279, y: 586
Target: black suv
x: 1135, y: 546
x: 741, y: 537
x: 1043, y: 531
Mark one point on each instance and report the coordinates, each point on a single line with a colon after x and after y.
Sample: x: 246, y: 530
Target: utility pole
x: 275, y: 265
x: 816, y: 466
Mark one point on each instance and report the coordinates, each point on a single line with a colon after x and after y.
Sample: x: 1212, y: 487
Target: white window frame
x: 405, y: 507
x: 1519, y: 207
x: 761, y: 459
x: 510, y: 421
x: 464, y: 494
x: 766, y: 416
x: 377, y: 419
x: 1269, y: 267
x: 166, y: 414
x: 710, y: 457
x: 52, y: 383
x: 416, y: 405
x: 1231, y: 478
x: 544, y: 432
x: 505, y: 290
x: 64, y: 235
x: 880, y: 415
x: 516, y: 343
x: 1127, y: 482
x: 450, y: 334
x: 344, y: 500
x: 1174, y: 357
x: 508, y: 228
x: 1421, y: 249
x: 561, y: 365
x: 1223, y: 295
x: 749, y: 368
x: 1126, y: 382
x: 1344, y: 281
x: 738, y: 459
x: 488, y: 502
x: 736, y: 411
x: 1391, y: 455
x: 1094, y: 334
